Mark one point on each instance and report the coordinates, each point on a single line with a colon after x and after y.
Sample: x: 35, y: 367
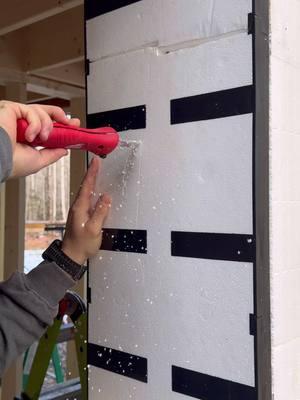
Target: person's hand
x: 83, y: 234
x: 27, y: 160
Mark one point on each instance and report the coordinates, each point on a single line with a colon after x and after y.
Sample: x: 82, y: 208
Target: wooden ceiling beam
x: 72, y: 73
x: 17, y: 14
x: 12, y: 51
x: 52, y: 101
x: 54, y: 89
x: 36, y: 98
x: 46, y: 87
x: 2, y: 92
x: 56, y: 41
x: 48, y: 54
x: 59, y: 66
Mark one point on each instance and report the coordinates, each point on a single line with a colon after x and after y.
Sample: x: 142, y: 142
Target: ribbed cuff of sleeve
x: 49, y: 281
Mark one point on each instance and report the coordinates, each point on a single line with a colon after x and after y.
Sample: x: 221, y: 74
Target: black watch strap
x: 54, y: 253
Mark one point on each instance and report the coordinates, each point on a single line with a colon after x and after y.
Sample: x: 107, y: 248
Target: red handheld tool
x: 101, y: 141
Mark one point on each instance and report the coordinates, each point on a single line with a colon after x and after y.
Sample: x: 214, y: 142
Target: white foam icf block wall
x: 196, y: 177
x: 285, y: 197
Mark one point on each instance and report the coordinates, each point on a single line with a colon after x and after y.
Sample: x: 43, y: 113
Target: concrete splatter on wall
x: 172, y: 309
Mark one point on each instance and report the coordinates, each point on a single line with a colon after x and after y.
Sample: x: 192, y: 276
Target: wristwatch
x: 55, y: 253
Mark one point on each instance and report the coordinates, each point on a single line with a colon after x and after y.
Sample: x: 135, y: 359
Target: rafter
x: 71, y: 73
x: 55, y: 41
x: 17, y: 14
x: 43, y: 86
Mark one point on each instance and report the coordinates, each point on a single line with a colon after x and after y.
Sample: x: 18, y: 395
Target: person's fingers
x: 74, y: 121
x: 33, y: 120
x: 88, y: 183
x: 101, y: 210
x: 46, y: 122
x: 49, y: 156
x: 27, y: 160
x: 56, y: 113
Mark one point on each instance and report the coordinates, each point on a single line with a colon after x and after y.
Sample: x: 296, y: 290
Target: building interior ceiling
x: 42, y: 46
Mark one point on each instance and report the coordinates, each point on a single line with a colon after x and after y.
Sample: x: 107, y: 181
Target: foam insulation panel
x: 172, y: 312
x: 113, y: 28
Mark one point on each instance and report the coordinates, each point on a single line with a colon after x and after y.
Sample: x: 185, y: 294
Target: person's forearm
x: 5, y: 155
x: 28, y: 304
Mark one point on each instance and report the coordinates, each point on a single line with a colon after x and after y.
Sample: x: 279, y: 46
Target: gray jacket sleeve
x: 5, y: 155
x: 28, y: 303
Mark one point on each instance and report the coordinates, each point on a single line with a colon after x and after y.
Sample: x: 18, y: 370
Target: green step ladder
x: 28, y: 360
x: 38, y: 357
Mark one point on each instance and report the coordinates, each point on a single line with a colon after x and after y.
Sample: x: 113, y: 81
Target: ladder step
x: 69, y: 390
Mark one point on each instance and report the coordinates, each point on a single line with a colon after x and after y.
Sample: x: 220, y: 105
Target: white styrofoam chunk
x: 141, y: 307
x: 163, y: 23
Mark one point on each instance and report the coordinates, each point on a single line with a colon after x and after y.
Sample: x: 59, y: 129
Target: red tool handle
x: 100, y: 141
